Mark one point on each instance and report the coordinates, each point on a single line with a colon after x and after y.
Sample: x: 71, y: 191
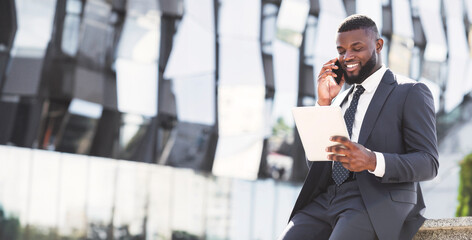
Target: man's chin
x: 352, y: 79
x: 352, y: 75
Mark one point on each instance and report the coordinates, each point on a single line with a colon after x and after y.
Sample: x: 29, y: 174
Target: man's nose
x: 348, y: 56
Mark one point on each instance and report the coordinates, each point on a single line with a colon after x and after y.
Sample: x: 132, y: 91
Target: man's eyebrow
x: 356, y: 44
x: 352, y: 45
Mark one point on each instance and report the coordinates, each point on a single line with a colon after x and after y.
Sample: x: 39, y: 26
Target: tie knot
x: 360, y: 90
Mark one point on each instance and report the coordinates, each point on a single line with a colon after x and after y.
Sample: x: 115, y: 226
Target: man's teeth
x: 352, y: 65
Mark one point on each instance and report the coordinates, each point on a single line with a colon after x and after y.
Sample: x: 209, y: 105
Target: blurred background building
x: 171, y: 119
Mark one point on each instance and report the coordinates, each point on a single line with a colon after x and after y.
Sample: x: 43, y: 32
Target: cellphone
x: 339, y: 72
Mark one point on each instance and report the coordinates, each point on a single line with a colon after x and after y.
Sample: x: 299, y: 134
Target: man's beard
x: 364, y: 72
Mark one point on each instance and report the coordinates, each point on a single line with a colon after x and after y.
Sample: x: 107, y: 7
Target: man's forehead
x: 355, y: 36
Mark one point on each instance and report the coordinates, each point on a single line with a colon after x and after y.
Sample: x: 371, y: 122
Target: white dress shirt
x: 370, y: 84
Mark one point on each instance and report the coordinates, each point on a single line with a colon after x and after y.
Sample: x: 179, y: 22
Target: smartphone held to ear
x: 339, y: 72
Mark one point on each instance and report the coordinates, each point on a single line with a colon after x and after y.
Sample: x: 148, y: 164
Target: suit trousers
x: 337, y: 214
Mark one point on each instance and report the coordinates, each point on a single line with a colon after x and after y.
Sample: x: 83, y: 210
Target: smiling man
x: 370, y: 190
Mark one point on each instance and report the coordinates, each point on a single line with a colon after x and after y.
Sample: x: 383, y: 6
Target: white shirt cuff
x: 380, y: 168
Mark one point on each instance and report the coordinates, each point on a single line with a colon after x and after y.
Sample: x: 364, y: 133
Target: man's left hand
x: 353, y: 156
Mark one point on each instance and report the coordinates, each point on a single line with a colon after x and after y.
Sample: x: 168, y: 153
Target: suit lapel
x: 380, y: 96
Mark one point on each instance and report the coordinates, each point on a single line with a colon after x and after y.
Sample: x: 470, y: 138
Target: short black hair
x: 358, y: 21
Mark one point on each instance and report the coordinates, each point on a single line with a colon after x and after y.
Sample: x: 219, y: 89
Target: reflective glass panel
x: 70, y: 34
x: 285, y: 196
x: 35, y: 20
x: 187, y: 215
x: 373, y: 9
x: 241, y: 201
x: 218, y: 208
x: 240, y: 18
x: 130, y: 199
x: 136, y: 87
x: 132, y: 132
x: 402, y: 22
x: 240, y: 94
x: 286, y: 74
x: 195, y: 99
x: 325, y: 40
x: 458, y: 56
x: 73, y: 196
x: 430, y: 15
x: 263, y: 201
x: 237, y: 54
x: 291, y: 21
x: 43, y: 198
x: 160, y: 192
x: 193, y: 52
x: 240, y: 140
x: 402, y: 38
x: 139, y: 40
x: 100, y: 196
x: 15, y: 183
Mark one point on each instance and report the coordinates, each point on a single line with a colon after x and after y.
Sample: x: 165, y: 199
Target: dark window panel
x: 145, y: 151
x: 105, y: 141
x: 8, y: 108
x: 8, y: 23
x: 89, y: 84
x: 59, y: 24
x: 172, y: 7
x: 191, y: 146
x: 78, y: 127
x: 95, y: 35
x: 268, y: 64
x: 8, y: 27
x: 418, y: 34
x: 119, y: 5
x: 387, y: 27
x: 110, y: 94
x: 166, y: 101
x: 52, y: 119
x: 57, y: 78
x: 27, y: 119
x: 306, y: 87
x: 350, y: 6
x: 77, y: 134
x: 4, y: 58
x: 315, y: 7
x: 24, y: 76
x: 133, y: 132
x: 264, y: 171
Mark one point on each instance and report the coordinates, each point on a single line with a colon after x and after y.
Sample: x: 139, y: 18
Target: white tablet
x: 315, y: 126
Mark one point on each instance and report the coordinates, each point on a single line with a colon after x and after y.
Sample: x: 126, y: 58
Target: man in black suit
x: 370, y: 190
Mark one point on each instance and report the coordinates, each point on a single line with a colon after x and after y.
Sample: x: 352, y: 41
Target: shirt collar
x: 370, y: 84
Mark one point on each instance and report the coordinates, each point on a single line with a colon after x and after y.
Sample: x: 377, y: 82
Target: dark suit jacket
x: 399, y: 123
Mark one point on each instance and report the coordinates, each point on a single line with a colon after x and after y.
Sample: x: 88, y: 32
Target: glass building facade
x: 171, y: 119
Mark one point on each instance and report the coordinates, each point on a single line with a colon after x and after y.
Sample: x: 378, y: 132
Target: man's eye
x: 357, y: 49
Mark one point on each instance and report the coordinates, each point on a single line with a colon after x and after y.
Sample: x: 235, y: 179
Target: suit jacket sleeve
x: 419, y: 162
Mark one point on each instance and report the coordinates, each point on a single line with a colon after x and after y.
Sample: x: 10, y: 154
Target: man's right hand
x: 327, y: 87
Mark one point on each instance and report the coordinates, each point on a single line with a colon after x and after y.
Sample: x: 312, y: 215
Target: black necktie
x: 340, y: 174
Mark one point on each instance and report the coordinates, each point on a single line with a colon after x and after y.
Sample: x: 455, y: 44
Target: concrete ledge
x: 450, y: 229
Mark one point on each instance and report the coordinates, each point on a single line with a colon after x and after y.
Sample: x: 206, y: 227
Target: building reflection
x: 116, y: 113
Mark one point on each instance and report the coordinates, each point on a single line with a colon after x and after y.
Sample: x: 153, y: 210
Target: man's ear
x: 379, y: 45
